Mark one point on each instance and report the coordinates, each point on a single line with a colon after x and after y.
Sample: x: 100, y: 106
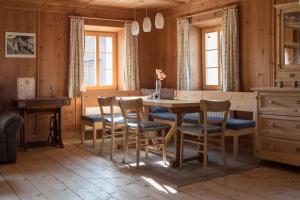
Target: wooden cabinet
x: 278, y: 125
x: 287, y: 45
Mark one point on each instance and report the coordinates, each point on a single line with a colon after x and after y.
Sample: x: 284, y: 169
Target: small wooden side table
x: 43, y: 105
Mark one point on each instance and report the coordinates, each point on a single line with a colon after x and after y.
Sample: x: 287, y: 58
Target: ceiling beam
x: 178, y: 2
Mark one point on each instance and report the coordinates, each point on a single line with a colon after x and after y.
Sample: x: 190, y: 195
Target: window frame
x: 114, y: 57
x: 203, y: 57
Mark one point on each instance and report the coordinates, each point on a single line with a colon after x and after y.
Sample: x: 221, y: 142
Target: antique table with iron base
x: 43, y: 105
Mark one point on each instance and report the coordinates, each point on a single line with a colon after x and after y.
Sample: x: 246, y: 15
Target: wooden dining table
x: 179, y: 108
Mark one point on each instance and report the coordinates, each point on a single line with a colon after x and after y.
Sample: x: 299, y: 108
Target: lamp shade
x: 147, y: 25
x: 159, y: 21
x: 135, y: 28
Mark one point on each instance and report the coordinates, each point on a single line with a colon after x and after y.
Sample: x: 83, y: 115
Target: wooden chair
x: 112, y: 122
x: 209, y: 131
x: 138, y: 129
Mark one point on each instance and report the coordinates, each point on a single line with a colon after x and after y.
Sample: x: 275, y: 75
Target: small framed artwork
x: 20, y: 45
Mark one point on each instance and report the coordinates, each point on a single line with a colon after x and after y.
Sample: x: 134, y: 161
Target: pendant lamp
x: 135, y: 27
x: 147, y: 22
x: 159, y: 21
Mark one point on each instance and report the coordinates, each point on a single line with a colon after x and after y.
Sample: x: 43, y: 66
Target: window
x: 100, y: 60
x: 211, y: 77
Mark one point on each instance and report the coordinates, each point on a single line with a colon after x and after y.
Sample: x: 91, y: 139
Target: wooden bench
x: 91, y: 113
x: 240, y: 101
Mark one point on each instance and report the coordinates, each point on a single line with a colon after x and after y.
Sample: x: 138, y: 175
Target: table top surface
x: 169, y: 103
x: 43, y: 99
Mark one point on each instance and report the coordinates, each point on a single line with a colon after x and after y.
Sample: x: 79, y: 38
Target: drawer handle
x: 292, y: 75
x: 271, y: 101
x: 297, y: 150
x: 272, y: 125
x: 298, y: 102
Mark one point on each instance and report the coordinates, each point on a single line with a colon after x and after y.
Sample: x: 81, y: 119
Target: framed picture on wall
x: 20, y: 45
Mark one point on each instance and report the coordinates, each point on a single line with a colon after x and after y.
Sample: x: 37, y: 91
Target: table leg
x: 175, y: 163
x: 24, y: 131
x: 61, y: 143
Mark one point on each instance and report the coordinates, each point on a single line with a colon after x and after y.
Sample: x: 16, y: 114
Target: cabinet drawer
x: 280, y: 150
x: 280, y: 104
x: 288, y: 76
x: 279, y: 126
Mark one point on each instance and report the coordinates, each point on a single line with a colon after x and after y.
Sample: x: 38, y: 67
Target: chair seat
x: 150, y: 126
x: 118, y: 119
x: 91, y: 118
x: 198, y: 129
x: 237, y: 124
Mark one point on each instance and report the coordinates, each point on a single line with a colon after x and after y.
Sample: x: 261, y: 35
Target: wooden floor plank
x: 20, y: 184
x: 51, y: 187
x: 261, y: 188
x: 6, y: 192
x: 83, y: 188
x: 74, y: 173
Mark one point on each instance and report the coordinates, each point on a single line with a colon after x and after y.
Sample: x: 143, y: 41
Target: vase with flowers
x: 160, y: 76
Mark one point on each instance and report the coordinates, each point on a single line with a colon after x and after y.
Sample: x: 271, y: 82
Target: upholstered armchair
x: 10, y: 123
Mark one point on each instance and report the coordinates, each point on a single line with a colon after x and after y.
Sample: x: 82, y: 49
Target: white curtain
x: 76, y: 82
x: 183, y: 50
x: 230, y: 50
x: 131, y: 69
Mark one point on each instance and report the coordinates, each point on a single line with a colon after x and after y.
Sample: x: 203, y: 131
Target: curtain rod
x: 208, y: 12
x: 102, y: 19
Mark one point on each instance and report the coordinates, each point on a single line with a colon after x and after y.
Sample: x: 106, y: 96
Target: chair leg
x: 181, y: 150
x: 138, y: 149
x: 205, y: 154
x: 112, y: 142
x: 146, y: 148
x: 94, y: 136
x: 164, y: 146
x: 223, y: 151
x: 82, y: 134
x: 125, y: 146
x: 235, y: 147
x: 103, y: 140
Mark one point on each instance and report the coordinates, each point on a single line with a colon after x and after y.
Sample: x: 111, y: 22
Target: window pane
x: 212, y: 58
x: 211, y: 41
x: 106, y: 77
x: 106, y: 61
x: 212, y: 76
x: 90, y: 43
x: 106, y: 44
x: 90, y: 69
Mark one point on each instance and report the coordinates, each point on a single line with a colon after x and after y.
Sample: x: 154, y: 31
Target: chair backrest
x: 129, y: 105
x: 107, y: 102
x: 221, y: 107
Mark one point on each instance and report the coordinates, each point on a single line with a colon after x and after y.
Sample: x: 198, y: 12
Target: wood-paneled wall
x: 50, y: 67
x: 256, y: 40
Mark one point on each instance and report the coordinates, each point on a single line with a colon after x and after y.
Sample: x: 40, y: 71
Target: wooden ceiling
x: 138, y: 4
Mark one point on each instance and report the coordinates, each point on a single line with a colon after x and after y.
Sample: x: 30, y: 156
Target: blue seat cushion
x: 198, y: 129
x: 163, y: 115
x: 91, y: 118
x: 150, y: 126
x: 192, y: 118
x: 237, y: 124
x: 158, y: 109
x: 118, y: 119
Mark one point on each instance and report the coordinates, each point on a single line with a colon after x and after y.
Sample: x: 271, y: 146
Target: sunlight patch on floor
x: 163, y: 188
